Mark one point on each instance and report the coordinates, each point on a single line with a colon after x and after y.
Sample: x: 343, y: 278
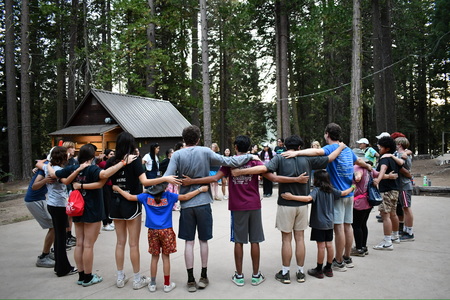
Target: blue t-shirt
x: 158, y: 216
x: 341, y: 169
x: 36, y: 195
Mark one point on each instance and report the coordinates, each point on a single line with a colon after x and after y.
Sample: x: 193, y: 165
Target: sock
x: 345, y: 257
x: 409, y: 230
x: 166, y: 279
x: 401, y: 226
x: 191, y: 275
x: 153, y: 280
x: 137, y: 277
x: 43, y: 255
x: 68, y: 234
x: 204, y: 273
x: 328, y: 266
x: 88, y: 277
x: 120, y: 274
x: 239, y: 275
x: 319, y: 267
x: 285, y: 270
x: 300, y: 269
x: 395, y: 234
x: 257, y: 274
x: 388, y: 239
x: 81, y: 276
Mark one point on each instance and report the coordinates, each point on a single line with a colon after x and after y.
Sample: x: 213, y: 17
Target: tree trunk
x: 87, y: 67
x: 72, y: 59
x: 195, y: 71
x: 205, y: 77
x: 11, y: 95
x: 223, y: 85
x: 151, y: 37
x: 283, y: 64
x: 277, y: 65
x: 25, y: 92
x: 356, y: 130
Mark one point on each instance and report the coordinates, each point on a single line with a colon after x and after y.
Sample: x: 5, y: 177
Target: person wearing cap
x: 383, y: 134
x: 158, y: 205
x: 369, y: 153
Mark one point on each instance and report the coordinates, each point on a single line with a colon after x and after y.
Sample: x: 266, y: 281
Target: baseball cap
x: 363, y: 141
x: 157, y: 188
x: 382, y: 135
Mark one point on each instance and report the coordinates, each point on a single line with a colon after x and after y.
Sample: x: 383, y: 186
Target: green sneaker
x: 239, y: 281
x: 258, y: 280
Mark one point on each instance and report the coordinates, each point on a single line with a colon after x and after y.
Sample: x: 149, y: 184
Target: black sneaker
x: 316, y: 273
x: 286, y: 278
x: 327, y: 272
x: 300, y: 276
x: 366, y: 251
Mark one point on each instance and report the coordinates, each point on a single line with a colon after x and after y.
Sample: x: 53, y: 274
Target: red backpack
x: 75, y: 204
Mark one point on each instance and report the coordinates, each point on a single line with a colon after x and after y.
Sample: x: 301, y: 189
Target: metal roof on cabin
x: 85, y: 130
x: 143, y: 117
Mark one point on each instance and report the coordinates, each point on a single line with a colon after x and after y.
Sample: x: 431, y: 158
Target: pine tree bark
x: 151, y: 37
x: 195, y: 71
x: 205, y: 77
x: 11, y: 95
x: 356, y: 130
x: 72, y: 59
x: 25, y: 91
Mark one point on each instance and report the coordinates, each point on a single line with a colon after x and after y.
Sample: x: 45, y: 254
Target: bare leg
x: 91, y: 231
x: 330, y: 252
x: 121, y: 234
x: 255, y: 253
x: 154, y: 265
x: 189, y: 254
x: 134, y: 230
x: 348, y: 233
x: 339, y: 241
x: 320, y: 252
x: 286, y: 248
x: 299, y: 247
x: 204, y: 251
x: 78, y: 252
x: 238, y: 256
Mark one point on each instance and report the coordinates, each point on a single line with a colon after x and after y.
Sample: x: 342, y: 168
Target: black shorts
x: 196, y: 218
x: 122, y: 209
x: 320, y: 235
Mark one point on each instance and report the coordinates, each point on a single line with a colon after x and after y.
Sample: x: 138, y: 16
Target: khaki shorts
x: 389, y: 203
x: 292, y: 218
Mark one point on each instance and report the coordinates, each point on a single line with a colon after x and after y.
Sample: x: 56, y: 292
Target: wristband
x: 124, y: 162
x: 199, y: 190
x: 81, y: 185
x: 353, y: 186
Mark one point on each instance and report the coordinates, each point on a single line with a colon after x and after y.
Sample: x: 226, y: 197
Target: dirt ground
x: 13, y: 209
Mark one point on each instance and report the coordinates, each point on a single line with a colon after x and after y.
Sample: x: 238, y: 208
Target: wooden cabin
x: 103, y: 115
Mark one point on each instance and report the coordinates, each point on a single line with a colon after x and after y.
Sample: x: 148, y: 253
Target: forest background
x: 368, y: 65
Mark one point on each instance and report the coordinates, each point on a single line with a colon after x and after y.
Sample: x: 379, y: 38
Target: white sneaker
x: 143, y: 281
x: 384, y: 246
x: 108, y: 227
x: 395, y: 239
x: 225, y: 197
x: 152, y: 287
x: 168, y: 288
x: 120, y: 283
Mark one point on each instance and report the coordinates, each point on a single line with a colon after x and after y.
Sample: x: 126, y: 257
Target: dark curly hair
x: 58, y: 156
x: 334, y: 131
x: 388, y: 143
x: 242, y: 142
x: 191, y: 135
x: 293, y: 142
